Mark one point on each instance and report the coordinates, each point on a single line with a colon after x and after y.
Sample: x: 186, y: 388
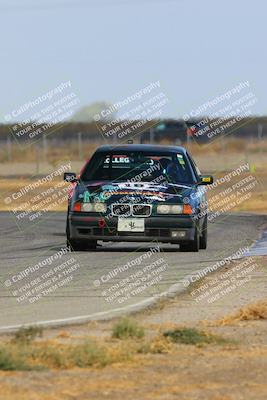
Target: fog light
x: 178, y: 234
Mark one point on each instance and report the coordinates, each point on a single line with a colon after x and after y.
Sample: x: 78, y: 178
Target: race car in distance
x: 138, y: 193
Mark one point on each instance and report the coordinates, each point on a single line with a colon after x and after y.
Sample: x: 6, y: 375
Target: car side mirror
x: 205, y: 180
x: 70, y: 177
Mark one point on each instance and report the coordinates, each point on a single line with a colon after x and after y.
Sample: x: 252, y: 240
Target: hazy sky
x: 112, y: 48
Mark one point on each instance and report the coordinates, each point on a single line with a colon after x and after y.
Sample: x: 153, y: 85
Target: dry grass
x: 7, y: 187
x: 236, y: 201
x: 52, y: 354
x: 158, y: 368
x: 24, y: 352
x: 68, y: 150
x: 189, y: 372
x: 251, y: 312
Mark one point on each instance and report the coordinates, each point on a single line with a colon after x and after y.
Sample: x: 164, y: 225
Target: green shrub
x: 191, y: 336
x: 127, y: 328
x: 88, y: 354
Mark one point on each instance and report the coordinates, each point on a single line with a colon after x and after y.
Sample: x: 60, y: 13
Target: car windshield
x: 139, y: 167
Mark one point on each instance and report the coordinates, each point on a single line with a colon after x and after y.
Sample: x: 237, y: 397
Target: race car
x: 138, y: 193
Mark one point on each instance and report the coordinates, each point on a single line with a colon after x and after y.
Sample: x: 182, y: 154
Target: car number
x: 131, y: 224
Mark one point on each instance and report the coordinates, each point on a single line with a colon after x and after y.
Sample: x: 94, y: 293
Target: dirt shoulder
x: 235, y: 369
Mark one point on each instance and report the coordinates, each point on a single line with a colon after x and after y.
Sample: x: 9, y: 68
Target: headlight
x: 170, y: 209
x: 178, y: 209
x: 163, y: 209
x: 94, y: 207
x: 88, y: 207
x: 100, y: 207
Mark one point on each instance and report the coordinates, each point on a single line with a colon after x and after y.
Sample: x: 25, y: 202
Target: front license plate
x: 131, y: 225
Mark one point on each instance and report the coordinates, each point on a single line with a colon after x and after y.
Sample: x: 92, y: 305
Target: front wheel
x: 204, y: 235
x: 193, y: 245
x: 79, y: 245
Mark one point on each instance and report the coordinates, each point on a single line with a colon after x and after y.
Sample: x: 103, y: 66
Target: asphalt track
x: 89, y: 291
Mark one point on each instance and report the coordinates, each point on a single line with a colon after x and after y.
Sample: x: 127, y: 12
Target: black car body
x: 138, y: 193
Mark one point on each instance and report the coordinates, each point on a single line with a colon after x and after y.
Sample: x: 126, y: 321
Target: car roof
x: 141, y: 147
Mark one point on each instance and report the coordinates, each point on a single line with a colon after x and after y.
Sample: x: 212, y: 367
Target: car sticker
x: 181, y: 160
x: 86, y: 196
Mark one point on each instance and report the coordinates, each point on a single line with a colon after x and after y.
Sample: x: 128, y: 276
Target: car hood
x: 111, y: 192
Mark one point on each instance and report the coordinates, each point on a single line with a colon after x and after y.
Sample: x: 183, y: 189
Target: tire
x: 67, y: 233
x: 193, y: 245
x: 79, y: 245
x: 204, y: 235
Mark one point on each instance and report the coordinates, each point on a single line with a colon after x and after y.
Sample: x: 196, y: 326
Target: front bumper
x: 84, y: 227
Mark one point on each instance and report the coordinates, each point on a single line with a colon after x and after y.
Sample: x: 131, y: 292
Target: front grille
x: 135, y: 210
x: 121, y: 209
x: 141, y: 210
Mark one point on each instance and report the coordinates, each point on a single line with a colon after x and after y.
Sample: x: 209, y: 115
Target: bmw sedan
x: 139, y: 193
